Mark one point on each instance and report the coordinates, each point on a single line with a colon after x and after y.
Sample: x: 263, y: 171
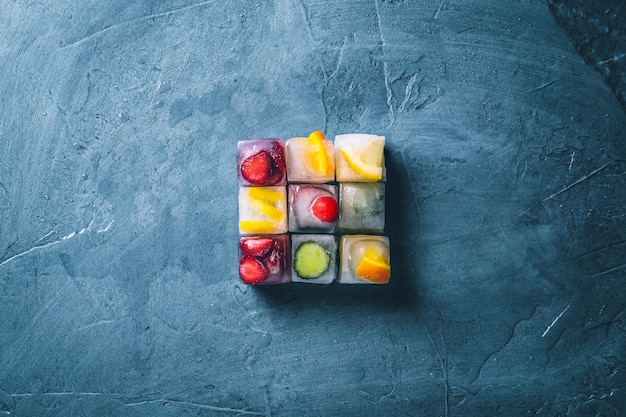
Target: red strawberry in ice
x: 251, y: 270
x: 325, y: 209
x: 275, y: 262
x: 255, y: 246
x: 258, y: 168
x: 277, y: 152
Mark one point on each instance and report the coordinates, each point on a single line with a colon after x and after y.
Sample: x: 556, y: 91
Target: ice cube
x: 361, y: 207
x: 265, y: 259
x: 314, y: 258
x: 262, y: 210
x: 360, y: 158
x: 310, y: 159
x: 261, y: 162
x: 364, y: 259
x: 313, y: 208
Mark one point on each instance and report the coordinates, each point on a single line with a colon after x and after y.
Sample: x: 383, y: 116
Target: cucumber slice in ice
x: 311, y: 260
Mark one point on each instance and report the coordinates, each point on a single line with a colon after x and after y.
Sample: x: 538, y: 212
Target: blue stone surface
x: 506, y: 210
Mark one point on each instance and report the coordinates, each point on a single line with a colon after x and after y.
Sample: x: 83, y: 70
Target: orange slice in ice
x: 320, y: 161
x: 374, y: 270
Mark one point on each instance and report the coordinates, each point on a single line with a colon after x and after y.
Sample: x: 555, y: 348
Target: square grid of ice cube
x: 313, y: 211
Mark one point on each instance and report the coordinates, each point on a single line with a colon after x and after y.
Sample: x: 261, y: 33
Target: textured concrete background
x: 598, y: 30
x: 118, y: 223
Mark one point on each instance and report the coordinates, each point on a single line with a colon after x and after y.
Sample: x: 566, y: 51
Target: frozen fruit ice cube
x: 361, y: 207
x: 359, y: 158
x: 262, y: 210
x: 313, y: 208
x: 265, y: 259
x: 261, y: 162
x: 310, y: 159
x: 365, y: 259
x: 314, y: 258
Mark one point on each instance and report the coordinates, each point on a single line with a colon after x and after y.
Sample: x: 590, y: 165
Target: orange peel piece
x: 374, y: 270
x: 320, y: 161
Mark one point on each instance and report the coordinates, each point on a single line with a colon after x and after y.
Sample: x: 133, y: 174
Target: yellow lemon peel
x: 261, y: 193
x: 253, y: 226
x: 267, y: 209
x: 368, y: 171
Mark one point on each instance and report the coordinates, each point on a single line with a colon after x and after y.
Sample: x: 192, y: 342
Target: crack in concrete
x: 608, y: 271
x: 443, y: 363
x: 586, y: 177
x: 37, y: 247
x: 199, y: 405
x: 137, y: 19
x: 542, y: 86
x: 439, y: 9
x: 55, y: 242
x: 139, y: 403
x: 554, y: 321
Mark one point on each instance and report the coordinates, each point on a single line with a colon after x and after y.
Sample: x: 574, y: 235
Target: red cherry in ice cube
x: 257, y: 247
x: 325, y: 209
x: 251, y: 270
x: 257, y: 168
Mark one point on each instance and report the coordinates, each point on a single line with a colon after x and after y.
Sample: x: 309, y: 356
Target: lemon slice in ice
x: 266, y: 201
x: 267, y: 209
x: 263, y: 193
x: 253, y: 226
x: 371, y: 172
x: 368, y: 160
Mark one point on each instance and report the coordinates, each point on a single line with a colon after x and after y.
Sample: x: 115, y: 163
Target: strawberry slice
x: 277, y: 153
x: 275, y: 262
x: 258, y: 168
x: 251, y: 270
x: 255, y: 246
x: 325, y: 209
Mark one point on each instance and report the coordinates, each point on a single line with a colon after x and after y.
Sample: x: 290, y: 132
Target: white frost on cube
x: 362, y: 207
